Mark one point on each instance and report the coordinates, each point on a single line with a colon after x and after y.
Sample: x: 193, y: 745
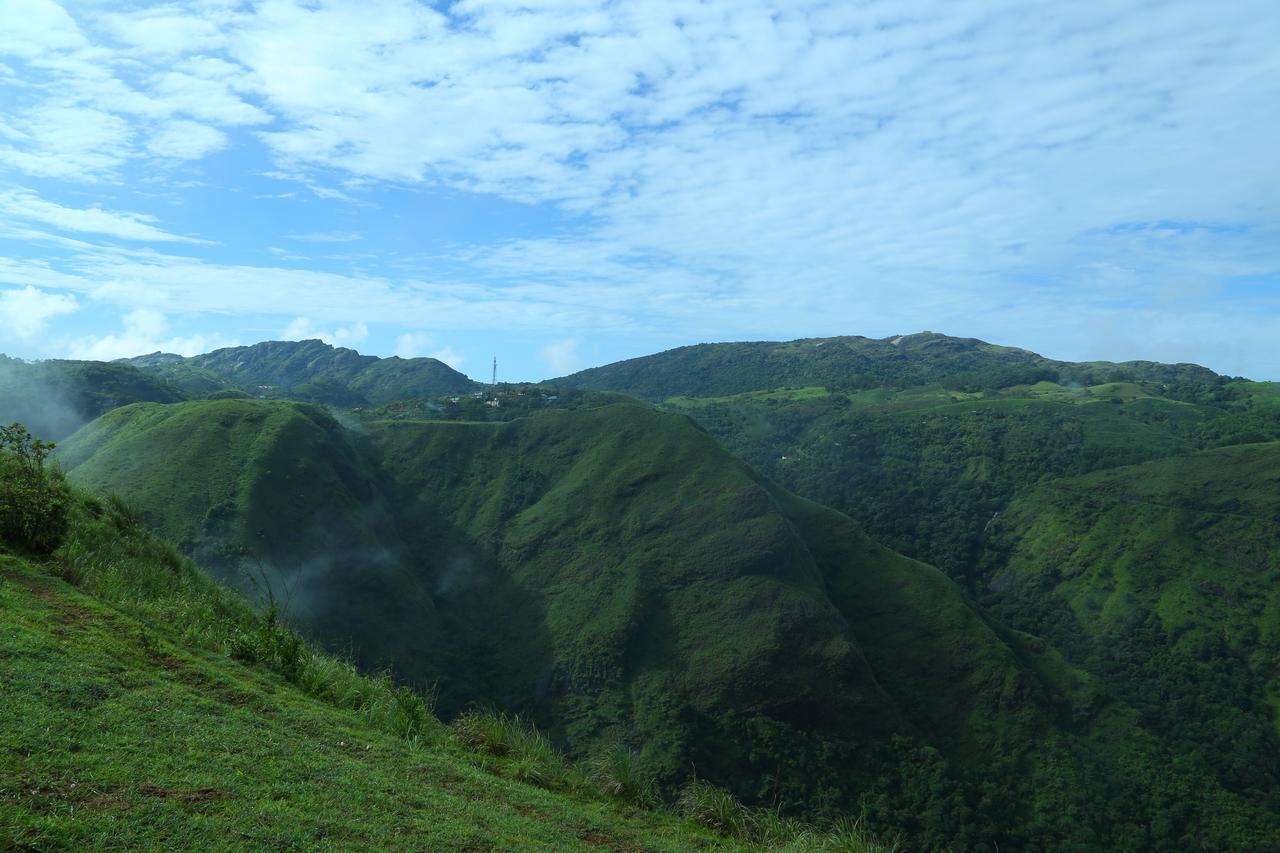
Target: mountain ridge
x: 314, y: 371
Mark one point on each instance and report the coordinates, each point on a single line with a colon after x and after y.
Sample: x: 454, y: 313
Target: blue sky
x: 564, y: 183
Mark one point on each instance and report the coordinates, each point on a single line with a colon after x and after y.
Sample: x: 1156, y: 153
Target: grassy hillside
x: 276, y: 499
x: 668, y: 585
x: 145, y: 706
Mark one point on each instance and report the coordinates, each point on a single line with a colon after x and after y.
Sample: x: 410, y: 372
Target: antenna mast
x: 495, y: 372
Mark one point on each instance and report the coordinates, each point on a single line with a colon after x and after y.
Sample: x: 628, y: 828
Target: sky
x: 565, y: 183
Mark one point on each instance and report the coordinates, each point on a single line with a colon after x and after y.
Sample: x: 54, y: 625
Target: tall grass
x: 108, y: 553
x: 720, y: 811
x: 532, y: 756
x: 616, y: 772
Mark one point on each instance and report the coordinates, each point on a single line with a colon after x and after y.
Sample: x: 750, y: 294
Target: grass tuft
x: 616, y: 773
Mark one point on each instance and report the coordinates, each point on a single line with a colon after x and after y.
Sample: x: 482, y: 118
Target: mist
x: 28, y: 396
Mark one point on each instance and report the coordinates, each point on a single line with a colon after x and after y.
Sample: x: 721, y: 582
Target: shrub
x: 34, y: 498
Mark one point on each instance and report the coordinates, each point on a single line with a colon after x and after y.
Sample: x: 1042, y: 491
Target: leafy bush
x: 33, y: 497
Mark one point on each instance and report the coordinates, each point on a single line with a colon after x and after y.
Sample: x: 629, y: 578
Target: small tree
x: 33, y: 497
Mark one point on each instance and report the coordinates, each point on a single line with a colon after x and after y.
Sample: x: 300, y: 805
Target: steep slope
x: 311, y: 371
x: 55, y: 398
x: 141, y: 712
x: 276, y: 499
x: 618, y: 576
x: 670, y: 583
x: 852, y: 362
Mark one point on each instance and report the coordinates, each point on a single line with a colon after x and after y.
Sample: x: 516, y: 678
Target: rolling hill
x: 1161, y: 579
x: 55, y: 398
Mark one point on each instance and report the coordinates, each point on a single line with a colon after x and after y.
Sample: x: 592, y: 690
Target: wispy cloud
x: 26, y: 205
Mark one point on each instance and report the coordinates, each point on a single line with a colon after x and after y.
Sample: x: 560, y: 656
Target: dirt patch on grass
x: 111, y: 799
x: 69, y: 612
x: 596, y: 838
x: 198, y: 795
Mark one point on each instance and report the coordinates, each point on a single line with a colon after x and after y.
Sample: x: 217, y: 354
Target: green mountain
x: 923, y: 439
x: 1093, y: 668
x: 857, y: 363
x: 311, y: 371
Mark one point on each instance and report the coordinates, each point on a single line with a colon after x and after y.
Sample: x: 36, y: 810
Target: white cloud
x: 164, y: 31
x: 64, y: 141
x: 412, y: 344
x: 343, y: 336
x: 25, y: 312
x: 561, y: 356
x: 743, y: 169
x: 144, y: 331
x: 26, y: 205
x: 35, y: 27
x: 186, y: 140
x: 449, y: 356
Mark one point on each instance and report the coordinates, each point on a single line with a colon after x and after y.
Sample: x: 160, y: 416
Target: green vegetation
x: 115, y: 645
x: 925, y: 469
x: 611, y: 607
x: 857, y: 363
x: 1160, y: 579
x: 33, y: 499
x: 663, y: 609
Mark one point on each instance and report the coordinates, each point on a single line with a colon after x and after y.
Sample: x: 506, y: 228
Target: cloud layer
x: 1078, y: 178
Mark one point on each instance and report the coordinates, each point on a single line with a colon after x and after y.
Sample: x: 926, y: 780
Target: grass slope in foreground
x: 147, y: 707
